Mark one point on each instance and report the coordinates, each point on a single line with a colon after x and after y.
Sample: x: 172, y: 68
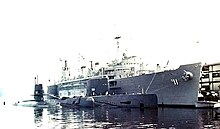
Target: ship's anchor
x: 187, y: 76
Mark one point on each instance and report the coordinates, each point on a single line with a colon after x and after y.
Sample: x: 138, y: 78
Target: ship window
x: 215, y: 74
x: 113, y: 83
x: 69, y: 93
x: 111, y: 77
x: 205, y: 75
x: 205, y: 68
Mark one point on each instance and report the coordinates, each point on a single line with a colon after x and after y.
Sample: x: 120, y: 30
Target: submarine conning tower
x: 38, y: 93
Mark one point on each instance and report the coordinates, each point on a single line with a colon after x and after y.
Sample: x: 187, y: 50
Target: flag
x: 118, y: 37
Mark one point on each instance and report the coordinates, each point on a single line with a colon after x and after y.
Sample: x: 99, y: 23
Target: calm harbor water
x: 64, y: 118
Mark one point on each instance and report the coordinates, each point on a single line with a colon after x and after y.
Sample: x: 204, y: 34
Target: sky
x: 35, y: 35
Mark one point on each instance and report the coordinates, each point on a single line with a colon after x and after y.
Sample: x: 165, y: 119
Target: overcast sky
x: 34, y: 35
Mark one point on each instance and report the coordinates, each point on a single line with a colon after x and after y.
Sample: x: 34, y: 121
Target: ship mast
x: 65, y: 72
x: 118, y: 48
x: 36, y: 80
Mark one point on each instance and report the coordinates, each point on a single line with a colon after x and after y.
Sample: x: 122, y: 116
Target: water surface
x: 64, y: 118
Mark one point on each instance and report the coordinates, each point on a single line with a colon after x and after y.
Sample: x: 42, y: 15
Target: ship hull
x: 87, y: 102
x: 169, y: 86
x: 33, y: 104
x: 127, y: 101
x: 122, y: 101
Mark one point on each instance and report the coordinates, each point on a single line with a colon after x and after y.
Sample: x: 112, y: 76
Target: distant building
x: 210, y: 78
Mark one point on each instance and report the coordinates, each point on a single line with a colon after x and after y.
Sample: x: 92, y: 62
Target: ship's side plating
x: 125, y: 100
x: 97, y: 86
x: 52, y: 90
x: 174, y: 87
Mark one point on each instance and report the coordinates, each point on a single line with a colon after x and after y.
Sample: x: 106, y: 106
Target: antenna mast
x: 118, y: 46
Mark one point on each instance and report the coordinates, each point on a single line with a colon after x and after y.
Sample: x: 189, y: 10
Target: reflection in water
x: 181, y: 118
x: 52, y: 118
x: 38, y: 114
x: 106, y: 118
x: 120, y: 117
